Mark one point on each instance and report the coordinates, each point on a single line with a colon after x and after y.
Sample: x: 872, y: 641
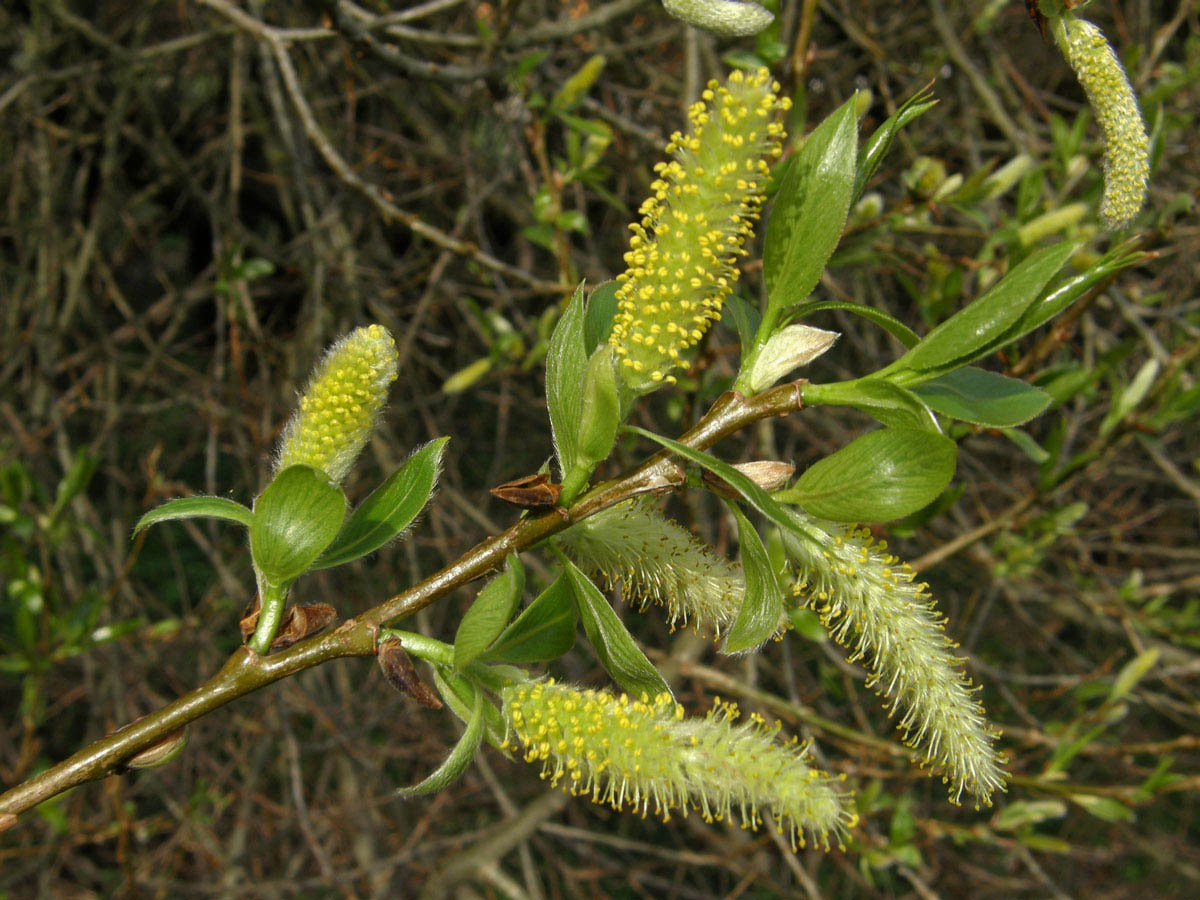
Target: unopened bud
x: 726, y: 18
x: 398, y: 669
x: 161, y: 753
x: 789, y: 348
x: 768, y: 474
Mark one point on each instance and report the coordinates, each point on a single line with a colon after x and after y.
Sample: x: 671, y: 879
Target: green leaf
x: 1128, y: 398
x: 295, y: 518
x: 886, y: 321
x: 762, y: 609
x: 880, y: 476
x: 888, y: 403
x: 196, y: 508
x: 1057, y: 300
x: 974, y: 330
x: 460, y: 757
x: 566, y: 360
x: 618, y: 652
x: 389, y: 509
x: 1131, y: 673
x: 544, y: 630
x: 460, y: 694
x: 745, y: 319
x: 598, y: 318
x: 877, y: 145
x: 1106, y: 809
x: 600, y: 414
x: 1027, y: 813
x: 983, y: 398
x: 78, y: 474
x: 487, y: 616
x: 810, y: 210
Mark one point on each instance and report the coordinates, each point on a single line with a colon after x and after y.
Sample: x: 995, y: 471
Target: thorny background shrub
x: 177, y: 248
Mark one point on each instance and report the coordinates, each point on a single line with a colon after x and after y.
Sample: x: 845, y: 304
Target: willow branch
x: 247, y: 671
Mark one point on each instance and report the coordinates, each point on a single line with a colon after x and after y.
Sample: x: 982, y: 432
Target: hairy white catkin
x: 871, y: 604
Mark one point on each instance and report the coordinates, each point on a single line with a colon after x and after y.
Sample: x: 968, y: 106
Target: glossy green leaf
x: 389, y: 509
x: 566, y: 361
x: 599, y: 315
x: 888, y: 403
x: 600, y: 414
x: 544, y: 630
x: 618, y: 652
x: 974, y: 330
x: 762, y: 608
x: 810, y: 210
x: 983, y: 398
x: 295, y: 518
x: 1053, y: 302
x: 488, y: 616
x: 880, y: 476
x: 460, y: 757
x: 875, y: 148
x: 196, y: 508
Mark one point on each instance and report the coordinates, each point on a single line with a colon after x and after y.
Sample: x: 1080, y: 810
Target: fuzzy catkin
x: 682, y: 255
x: 1126, y: 146
x: 656, y: 561
x: 870, y: 604
x: 645, y: 755
x: 338, y: 408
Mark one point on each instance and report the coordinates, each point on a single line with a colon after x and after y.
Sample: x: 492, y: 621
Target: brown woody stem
x: 246, y: 671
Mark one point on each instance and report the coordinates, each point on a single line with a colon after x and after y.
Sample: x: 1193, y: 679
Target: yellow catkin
x: 338, y: 408
x: 870, y: 603
x: 1126, y: 147
x: 683, y: 253
x: 647, y: 756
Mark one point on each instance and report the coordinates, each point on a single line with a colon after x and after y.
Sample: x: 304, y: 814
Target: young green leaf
x: 566, y: 360
x: 973, y: 330
x: 460, y: 757
x: 810, y: 210
x: 389, y: 509
x: 877, y: 145
x: 489, y: 614
x: 983, y: 398
x: 544, y: 630
x: 599, y: 315
x: 196, y: 508
x: 460, y: 694
x: 762, y: 609
x: 880, y: 476
x: 618, y: 652
x: 600, y: 412
x: 295, y: 518
x: 1131, y: 673
x: 888, y: 403
x: 745, y: 320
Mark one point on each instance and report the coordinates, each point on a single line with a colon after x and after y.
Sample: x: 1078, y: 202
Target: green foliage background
x: 177, y: 248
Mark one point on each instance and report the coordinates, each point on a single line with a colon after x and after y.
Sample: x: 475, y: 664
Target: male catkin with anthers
x: 339, y: 406
x: 683, y: 253
x: 647, y: 756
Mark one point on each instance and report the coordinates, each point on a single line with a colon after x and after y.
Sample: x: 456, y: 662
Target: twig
x: 246, y: 671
